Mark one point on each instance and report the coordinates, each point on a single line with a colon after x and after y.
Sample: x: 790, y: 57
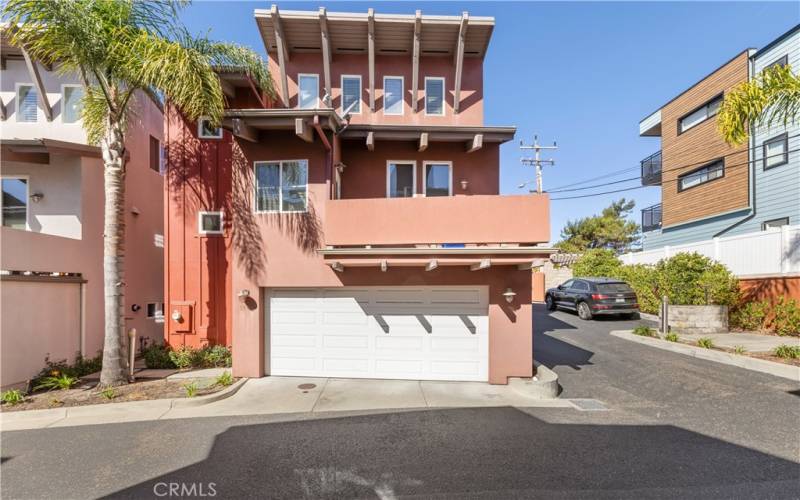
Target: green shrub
x: 644, y: 281
x: 109, y: 393
x: 184, y: 357
x: 786, y: 317
x: 225, y: 379
x: 12, y: 397
x: 788, y: 351
x: 191, y: 389
x: 644, y: 331
x: 157, y: 356
x: 61, y: 382
x: 751, y: 315
x: 694, y: 279
x: 597, y: 262
x: 705, y: 343
x: 217, y: 356
x: 739, y: 349
x: 672, y: 337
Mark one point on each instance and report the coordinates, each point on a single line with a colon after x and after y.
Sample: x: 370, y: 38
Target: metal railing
x: 651, y: 170
x: 651, y: 218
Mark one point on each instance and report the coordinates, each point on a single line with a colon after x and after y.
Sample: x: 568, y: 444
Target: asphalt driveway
x: 675, y: 427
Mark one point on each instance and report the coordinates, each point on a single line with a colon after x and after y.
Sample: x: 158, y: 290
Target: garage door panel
x: 433, y: 333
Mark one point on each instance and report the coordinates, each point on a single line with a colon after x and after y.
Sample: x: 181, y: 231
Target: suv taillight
x: 600, y: 296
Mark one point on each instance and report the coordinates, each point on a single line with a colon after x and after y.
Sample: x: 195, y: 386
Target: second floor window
x: 699, y: 115
x: 776, y: 151
x: 351, y: 93
x: 702, y: 175
x: 15, y: 202
x: 206, y: 131
x: 401, y: 179
x: 307, y: 91
x: 438, y: 179
x: 281, y: 186
x: 434, y: 96
x: 393, y: 95
x: 71, y: 102
x: 156, y: 155
x: 26, y: 103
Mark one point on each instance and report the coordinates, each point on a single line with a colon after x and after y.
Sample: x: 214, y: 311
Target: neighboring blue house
x: 772, y: 185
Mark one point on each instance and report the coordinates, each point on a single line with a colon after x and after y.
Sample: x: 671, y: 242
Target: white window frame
x: 360, y: 90
x: 17, y: 101
x: 280, y: 187
x: 210, y: 212
x: 764, y: 226
x: 444, y: 95
x: 780, y: 138
x: 389, y: 163
x: 425, y: 176
x: 64, y: 86
x: 200, y: 133
x: 318, y: 98
x: 156, y: 316
x: 402, y: 95
x: 27, y: 198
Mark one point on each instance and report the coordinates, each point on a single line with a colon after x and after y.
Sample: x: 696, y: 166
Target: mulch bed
x: 87, y: 394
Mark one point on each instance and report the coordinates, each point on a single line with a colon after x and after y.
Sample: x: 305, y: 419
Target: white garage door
x: 416, y: 333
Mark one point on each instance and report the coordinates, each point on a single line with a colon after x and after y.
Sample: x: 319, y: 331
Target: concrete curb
x: 44, y: 418
x: 545, y: 386
x: 746, y: 362
x: 649, y: 317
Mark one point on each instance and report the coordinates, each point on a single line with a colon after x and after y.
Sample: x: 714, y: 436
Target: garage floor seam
x: 320, y: 395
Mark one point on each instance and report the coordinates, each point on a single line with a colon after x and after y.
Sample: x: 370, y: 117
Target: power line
x: 536, y: 161
x: 745, y: 163
x: 560, y: 189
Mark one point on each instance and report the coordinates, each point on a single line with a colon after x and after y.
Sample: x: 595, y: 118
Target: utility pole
x: 536, y: 160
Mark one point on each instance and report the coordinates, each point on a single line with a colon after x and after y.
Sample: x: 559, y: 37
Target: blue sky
x: 583, y: 74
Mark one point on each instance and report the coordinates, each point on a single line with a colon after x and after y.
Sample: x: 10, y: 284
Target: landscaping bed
x: 87, y: 394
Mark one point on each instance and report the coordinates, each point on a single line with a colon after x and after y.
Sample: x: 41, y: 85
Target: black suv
x: 593, y: 296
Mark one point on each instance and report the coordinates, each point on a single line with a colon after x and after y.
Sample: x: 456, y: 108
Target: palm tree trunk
x: 115, y: 363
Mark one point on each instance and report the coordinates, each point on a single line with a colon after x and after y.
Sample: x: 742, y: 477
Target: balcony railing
x: 651, y: 170
x: 438, y: 220
x: 651, y: 218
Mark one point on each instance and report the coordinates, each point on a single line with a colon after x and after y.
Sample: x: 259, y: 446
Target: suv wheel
x: 549, y: 303
x: 584, y: 312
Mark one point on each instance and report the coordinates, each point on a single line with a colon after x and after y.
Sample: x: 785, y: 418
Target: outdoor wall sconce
x: 243, y: 295
x: 135, y: 307
x: 464, y: 184
x: 509, y: 294
x: 135, y: 211
x: 37, y: 197
x: 176, y: 316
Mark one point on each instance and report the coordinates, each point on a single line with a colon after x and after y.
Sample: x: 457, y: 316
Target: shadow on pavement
x: 489, y: 453
x: 551, y: 351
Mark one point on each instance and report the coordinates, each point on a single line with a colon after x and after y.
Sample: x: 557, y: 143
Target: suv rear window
x: 614, y: 288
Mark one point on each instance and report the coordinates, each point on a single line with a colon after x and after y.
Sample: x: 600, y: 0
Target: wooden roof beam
x: 475, y: 143
x: 371, y: 52
x: 423, y: 142
x: 433, y: 264
x: 415, y: 61
x: 36, y: 78
x: 227, y: 88
x: 244, y: 131
x: 3, y: 112
x: 371, y: 141
x: 337, y: 266
x: 303, y: 130
x: 283, y: 53
x: 325, y: 40
x: 483, y: 264
x: 459, y: 60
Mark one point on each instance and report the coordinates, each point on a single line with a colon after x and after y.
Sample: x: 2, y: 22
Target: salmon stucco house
x: 352, y: 226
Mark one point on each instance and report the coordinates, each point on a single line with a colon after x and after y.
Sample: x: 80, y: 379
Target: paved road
x: 676, y: 427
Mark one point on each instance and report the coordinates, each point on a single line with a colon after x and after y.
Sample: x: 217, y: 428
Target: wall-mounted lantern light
x: 243, y: 295
x: 509, y: 294
x: 135, y: 307
x: 464, y: 184
x: 37, y: 197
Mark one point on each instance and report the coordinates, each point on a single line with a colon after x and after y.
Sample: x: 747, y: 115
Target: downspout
x: 328, y: 153
x: 751, y: 151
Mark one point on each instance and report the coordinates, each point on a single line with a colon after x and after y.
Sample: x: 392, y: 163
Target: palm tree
x: 772, y: 97
x: 121, y: 49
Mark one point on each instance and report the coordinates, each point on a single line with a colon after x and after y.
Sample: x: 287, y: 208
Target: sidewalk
x: 752, y: 342
x: 299, y: 395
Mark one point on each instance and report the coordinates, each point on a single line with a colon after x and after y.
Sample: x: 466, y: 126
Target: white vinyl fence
x: 771, y: 253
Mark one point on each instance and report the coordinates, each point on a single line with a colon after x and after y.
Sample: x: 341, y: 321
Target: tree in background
x: 772, y: 97
x: 609, y: 230
x: 120, y: 49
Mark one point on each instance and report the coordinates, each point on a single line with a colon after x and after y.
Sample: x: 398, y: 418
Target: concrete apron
x: 305, y: 395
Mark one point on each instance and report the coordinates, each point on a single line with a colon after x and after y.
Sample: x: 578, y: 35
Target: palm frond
x: 770, y: 98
